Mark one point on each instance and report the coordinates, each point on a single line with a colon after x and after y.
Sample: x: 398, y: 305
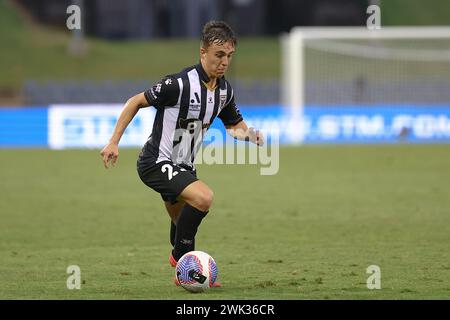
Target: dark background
x: 144, y: 19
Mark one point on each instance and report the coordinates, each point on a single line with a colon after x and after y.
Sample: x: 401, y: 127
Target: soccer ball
x: 196, y: 271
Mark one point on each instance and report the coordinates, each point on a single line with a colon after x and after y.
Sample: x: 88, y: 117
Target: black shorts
x: 167, y: 178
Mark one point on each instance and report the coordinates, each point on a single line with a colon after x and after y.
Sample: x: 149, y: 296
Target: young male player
x: 186, y: 104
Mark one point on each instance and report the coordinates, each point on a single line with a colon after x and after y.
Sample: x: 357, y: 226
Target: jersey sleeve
x: 230, y: 113
x: 164, y: 93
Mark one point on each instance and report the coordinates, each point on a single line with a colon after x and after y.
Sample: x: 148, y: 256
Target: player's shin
x: 173, y: 229
x: 186, y: 229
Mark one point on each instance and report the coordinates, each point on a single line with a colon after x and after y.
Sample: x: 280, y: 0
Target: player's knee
x: 205, y: 200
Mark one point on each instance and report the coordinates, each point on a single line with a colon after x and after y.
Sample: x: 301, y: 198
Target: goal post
x: 342, y: 67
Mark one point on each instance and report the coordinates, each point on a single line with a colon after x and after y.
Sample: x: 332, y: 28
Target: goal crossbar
x: 292, y: 89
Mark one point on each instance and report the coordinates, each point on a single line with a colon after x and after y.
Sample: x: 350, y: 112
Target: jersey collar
x: 204, y: 77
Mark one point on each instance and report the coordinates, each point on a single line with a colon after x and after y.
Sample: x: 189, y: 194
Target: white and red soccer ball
x: 196, y: 271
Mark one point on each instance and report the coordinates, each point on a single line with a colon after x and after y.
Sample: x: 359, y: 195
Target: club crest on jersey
x: 223, y: 99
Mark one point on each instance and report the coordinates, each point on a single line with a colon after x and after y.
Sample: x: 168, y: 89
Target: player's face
x: 216, y: 58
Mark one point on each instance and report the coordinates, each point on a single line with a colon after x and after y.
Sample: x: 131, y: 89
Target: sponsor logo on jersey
x: 194, y: 107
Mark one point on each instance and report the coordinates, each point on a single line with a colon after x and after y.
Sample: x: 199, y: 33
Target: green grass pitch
x: 309, y: 232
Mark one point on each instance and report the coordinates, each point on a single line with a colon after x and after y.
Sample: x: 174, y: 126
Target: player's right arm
x: 110, y: 152
x: 162, y: 94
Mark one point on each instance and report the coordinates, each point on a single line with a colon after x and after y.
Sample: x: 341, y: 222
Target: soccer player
x: 186, y: 104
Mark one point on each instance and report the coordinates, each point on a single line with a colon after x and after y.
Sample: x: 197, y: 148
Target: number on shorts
x: 170, y: 172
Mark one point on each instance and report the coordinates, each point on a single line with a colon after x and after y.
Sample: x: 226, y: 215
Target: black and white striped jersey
x: 185, y: 108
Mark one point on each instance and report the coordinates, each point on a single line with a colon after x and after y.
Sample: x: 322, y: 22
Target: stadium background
x: 308, y: 232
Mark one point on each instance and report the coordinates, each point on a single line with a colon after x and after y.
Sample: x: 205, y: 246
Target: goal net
x: 356, y: 85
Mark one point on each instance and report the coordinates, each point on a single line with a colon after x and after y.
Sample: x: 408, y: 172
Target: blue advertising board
x: 23, y: 127
x: 90, y: 126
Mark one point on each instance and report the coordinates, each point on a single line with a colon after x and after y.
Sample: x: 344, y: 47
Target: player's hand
x: 256, y: 136
x: 110, y: 153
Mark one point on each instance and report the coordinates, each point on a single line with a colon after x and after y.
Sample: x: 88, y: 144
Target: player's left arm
x: 241, y: 131
x: 234, y: 123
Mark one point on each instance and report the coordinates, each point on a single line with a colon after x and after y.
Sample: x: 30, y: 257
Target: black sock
x: 187, y: 225
x: 173, y: 230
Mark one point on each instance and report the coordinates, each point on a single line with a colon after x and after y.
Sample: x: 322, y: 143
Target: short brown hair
x: 218, y: 32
